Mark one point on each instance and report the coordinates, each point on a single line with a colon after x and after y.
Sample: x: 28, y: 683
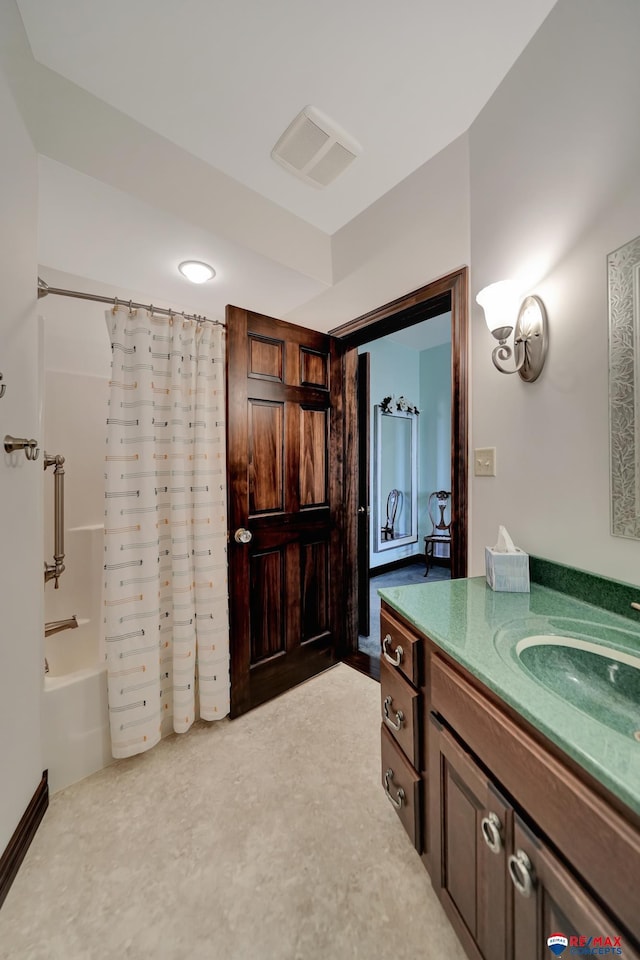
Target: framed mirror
x: 624, y: 388
x: 396, y: 479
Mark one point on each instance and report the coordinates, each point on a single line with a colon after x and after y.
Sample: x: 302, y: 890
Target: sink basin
x: 598, y: 680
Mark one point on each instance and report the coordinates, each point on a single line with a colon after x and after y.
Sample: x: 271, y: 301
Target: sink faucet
x: 57, y: 626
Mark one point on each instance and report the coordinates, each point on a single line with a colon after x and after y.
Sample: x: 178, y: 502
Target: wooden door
x: 364, y: 495
x: 549, y: 900
x: 284, y: 436
x: 470, y: 827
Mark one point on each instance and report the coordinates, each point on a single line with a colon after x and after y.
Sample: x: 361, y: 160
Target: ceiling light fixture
x: 502, y: 303
x: 196, y: 271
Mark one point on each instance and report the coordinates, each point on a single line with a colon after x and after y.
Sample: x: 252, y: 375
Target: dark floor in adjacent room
x: 394, y: 578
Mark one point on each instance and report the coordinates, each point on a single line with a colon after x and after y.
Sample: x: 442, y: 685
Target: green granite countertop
x: 480, y: 629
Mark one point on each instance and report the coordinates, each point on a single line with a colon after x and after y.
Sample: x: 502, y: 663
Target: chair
x: 393, y: 502
x: 438, y: 505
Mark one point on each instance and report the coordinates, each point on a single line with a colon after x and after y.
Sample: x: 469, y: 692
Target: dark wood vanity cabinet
x: 519, y: 844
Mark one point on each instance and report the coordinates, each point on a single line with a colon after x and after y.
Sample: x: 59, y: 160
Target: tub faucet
x: 57, y: 626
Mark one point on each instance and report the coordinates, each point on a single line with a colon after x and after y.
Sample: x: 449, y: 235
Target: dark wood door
x: 364, y: 474
x: 548, y: 900
x: 470, y: 832
x: 284, y: 437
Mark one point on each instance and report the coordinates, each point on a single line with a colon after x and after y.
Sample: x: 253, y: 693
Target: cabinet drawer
x: 400, y: 648
x: 400, y: 704
x: 402, y: 786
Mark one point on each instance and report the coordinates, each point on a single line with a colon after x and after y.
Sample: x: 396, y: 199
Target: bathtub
x: 75, y: 723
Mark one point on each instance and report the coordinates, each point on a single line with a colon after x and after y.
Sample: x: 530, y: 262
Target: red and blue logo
x: 557, y: 943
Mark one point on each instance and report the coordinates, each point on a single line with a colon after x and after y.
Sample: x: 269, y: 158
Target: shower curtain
x: 166, y: 613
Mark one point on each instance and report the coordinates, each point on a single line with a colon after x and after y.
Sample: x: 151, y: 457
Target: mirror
x: 624, y: 388
x: 396, y: 478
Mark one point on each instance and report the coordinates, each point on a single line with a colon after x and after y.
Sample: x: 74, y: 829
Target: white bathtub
x: 75, y: 723
x: 75, y: 726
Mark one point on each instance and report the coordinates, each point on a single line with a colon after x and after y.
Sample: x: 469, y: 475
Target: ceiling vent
x: 315, y: 148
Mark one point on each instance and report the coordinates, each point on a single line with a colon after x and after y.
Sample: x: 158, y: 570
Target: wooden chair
x: 438, y: 506
x: 393, y: 502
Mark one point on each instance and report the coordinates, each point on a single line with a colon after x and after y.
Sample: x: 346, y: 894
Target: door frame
x: 450, y: 292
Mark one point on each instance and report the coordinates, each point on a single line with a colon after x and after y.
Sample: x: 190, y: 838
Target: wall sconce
x: 501, y: 302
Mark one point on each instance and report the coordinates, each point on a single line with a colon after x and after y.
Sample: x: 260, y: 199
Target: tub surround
x: 475, y: 626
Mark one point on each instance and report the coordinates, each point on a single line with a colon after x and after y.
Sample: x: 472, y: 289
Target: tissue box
x: 508, y: 572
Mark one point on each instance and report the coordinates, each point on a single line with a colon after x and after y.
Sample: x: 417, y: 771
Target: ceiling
x: 155, y: 120
x: 223, y: 80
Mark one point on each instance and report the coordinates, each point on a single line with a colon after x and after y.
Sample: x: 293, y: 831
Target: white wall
x: 554, y: 161
x: 21, y: 482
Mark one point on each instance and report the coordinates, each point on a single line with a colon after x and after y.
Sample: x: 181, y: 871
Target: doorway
x: 404, y: 392
x: 449, y: 295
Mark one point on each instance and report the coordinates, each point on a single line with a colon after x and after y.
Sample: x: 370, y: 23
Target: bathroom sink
x: 598, y: 680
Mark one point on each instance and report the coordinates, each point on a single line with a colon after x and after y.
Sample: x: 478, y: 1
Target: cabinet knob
x: 398, y: 800
x: 492, y: 832
x: 521, y: 872
x: 397, y: 660
x: 399, y: 720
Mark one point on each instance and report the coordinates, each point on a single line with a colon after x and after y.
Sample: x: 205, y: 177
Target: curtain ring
x: 114, y: 308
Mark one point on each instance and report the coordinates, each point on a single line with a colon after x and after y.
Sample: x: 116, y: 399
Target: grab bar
x: 57, y: 626
x: 53, y: 571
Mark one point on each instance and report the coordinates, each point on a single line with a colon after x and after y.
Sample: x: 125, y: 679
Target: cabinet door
x: 549, y: 900
x: 470, y: 826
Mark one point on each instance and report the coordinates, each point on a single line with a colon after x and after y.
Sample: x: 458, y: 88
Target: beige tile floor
x: 265, y: 838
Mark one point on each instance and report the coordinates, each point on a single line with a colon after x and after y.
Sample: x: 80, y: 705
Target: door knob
x: 361, y: 510
x: 242, y: 535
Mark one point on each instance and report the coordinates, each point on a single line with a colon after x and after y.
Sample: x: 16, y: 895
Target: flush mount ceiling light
x: 196, y: 271
x: 315, y: 148
x: 502, y: 302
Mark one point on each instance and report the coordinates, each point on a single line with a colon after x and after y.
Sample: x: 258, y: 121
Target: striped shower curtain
x: 166, y: 613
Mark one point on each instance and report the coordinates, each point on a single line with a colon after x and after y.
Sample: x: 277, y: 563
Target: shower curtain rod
x: 44, y: 290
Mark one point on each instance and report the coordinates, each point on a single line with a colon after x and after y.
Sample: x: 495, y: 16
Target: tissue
x: 507, y: 567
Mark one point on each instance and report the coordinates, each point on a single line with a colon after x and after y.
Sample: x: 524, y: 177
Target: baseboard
x: 24, y: 833
x: 396, y: 564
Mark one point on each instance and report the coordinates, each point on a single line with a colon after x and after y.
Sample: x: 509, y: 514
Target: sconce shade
x: 500, y: 302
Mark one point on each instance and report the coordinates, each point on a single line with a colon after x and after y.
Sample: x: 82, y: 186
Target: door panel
x: 315, y: 590
x: 313, y: 457
x: 266, y: 440
x: 267, y: 600
x: 284, y: 432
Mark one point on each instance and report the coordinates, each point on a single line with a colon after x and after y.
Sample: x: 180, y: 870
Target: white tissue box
x: 507, y: 572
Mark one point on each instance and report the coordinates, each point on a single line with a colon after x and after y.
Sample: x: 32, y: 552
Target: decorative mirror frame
x: 380, y: 509
x: 624, y: 388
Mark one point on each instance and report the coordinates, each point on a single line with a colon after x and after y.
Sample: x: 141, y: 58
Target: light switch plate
x: 484, y: 462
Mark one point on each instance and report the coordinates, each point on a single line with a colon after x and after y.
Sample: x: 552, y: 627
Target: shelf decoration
x: 391, y: 405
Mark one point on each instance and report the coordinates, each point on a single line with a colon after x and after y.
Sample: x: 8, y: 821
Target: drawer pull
x: 398, y: 800
x: 394, y: 724
x: 395, y: 661
x: 492, y: 832
x: 521, y: 872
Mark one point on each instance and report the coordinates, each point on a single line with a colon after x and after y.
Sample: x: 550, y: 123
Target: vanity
x: 511, y: 754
